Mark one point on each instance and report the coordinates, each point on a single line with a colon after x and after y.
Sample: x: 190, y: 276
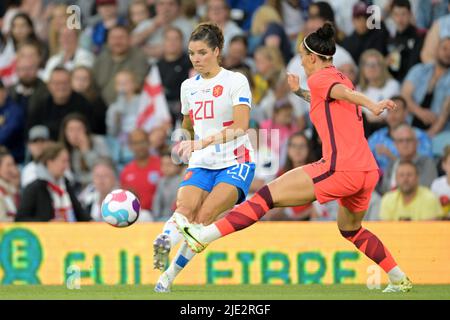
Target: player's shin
x: 181, y: 259
x: 373, y: 248
x: 171, y: 230
x: 241, y: 217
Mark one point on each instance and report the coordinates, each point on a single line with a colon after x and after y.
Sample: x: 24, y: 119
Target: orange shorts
x: 352, y: 189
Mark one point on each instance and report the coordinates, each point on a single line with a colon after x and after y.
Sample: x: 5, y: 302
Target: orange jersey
x: 339, y: 124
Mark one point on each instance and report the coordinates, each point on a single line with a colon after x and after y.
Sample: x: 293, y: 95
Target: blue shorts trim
x: 240, y: 176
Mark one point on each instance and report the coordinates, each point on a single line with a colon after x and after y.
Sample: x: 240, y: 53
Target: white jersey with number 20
x: 209, y: 103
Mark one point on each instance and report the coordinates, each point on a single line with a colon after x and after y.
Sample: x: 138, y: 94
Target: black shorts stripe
x: 332, y: 138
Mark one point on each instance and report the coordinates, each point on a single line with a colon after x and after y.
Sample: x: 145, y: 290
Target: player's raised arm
x: 341, y: 92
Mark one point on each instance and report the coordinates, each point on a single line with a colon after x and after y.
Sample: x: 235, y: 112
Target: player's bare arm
x: 341, y: 92
x: 187, y: 125
x: 294, y: 84
x: 241, y: 119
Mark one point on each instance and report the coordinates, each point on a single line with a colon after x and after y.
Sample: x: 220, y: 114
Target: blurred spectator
x: 168, y: 13
x: 95, y: 36
x: 404, y: 47
x: 157, y: 138
x: 244, y: 10
x: 38, y: 140
x: 51, y: 197
x: 410, y: 201
x: 426, y: 87
x: 439, y: 31
x: 174, y: 67
x: 441, y: 185
x: 376, y: 82
x: 70, y: 55
x: 138, y: 17
x: 319, y: 13
x: 218, y: 12
x: 299, y: 153
x: 22, y: 31
x: 82, y: 82
x: 58, y: 21
x: 429, y: 11
x: 142, y: 175
x: 121, y: 116
x: 30, y: 88
x: 9, y: 190
x: 406, y: 143
x: 293, y: 14
x: 283, y: 121
x: 364, y: 38
x: 51, y: 110
x: 443, y: 119
x: 237, y: 56
x: 267, y: 30
x: 12, y: 8
x: 166, y: 191
x: 104, y: 180
x: 269, y: 82
x: 343, y: 12
x: 381, y: 142
x: 84, y: 148
x: 12, y: 125
x: 117, y: 57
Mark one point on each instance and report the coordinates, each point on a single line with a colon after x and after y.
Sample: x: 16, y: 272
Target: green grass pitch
x: 221, y: 292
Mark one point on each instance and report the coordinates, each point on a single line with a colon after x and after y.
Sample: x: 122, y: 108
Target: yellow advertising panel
x: 266, y: 253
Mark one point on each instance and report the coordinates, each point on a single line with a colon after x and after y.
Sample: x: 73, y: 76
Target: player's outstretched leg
x: 294, y: 188
x: 350, y: 227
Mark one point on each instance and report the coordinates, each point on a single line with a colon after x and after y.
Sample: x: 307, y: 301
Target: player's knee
x: 187, y: 210
x: 206, y: 215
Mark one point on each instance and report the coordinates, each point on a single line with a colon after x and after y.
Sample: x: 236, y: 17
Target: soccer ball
x: 120, y: 208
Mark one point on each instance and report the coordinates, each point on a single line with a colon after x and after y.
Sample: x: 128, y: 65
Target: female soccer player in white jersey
x: 216, y: 106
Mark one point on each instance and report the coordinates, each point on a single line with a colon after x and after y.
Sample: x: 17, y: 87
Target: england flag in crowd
x: 153, y: 109
x: 8, y: 64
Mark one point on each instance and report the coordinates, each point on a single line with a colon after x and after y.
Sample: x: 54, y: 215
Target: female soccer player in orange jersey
x: 347, y: 172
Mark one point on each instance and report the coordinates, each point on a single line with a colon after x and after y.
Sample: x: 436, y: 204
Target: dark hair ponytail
x: 321, y: 42
x: 210, y: 33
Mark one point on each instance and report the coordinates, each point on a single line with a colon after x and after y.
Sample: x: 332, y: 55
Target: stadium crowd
x: 81, y: 113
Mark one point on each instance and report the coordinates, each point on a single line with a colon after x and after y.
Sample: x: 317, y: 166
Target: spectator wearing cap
x: 38, y: 140
x: 70, y: 54
x: 404, y: 47
x: 95, y: 36
x: 118, y: 56
x: 51, y: 110
x: 12, y: 124
x: 364, y: 38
